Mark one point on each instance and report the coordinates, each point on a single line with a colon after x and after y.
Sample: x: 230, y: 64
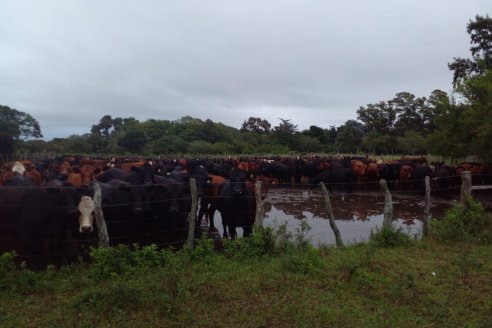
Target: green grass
x: 419, y: 284
x: 272, y: 279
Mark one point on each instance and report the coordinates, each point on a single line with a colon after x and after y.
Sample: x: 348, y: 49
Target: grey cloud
x: 69, y: 63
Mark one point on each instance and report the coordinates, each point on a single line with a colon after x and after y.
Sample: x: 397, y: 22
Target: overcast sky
x: 70, y: 62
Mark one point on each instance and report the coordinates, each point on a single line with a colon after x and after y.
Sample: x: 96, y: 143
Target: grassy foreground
x: 268, y: 280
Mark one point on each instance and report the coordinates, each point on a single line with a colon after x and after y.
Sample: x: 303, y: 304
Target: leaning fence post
x: 427, y: 217
x: 388, y: 204
x: 466, y: 186
x: 331, y: 217
x: 192, y: 214
x: 259, y: 205
x: 99, y: 216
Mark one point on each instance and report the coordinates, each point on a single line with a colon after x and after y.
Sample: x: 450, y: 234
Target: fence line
x: 465, y: 186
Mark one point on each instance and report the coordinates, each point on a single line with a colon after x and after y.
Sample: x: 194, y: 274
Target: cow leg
x: 232, y: 232
x: 224, y: 228
x: 247, y: 231
x: 211, y: 213
x: 202, y: 212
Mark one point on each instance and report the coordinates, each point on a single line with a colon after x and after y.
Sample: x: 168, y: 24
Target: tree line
x: 454, y: 125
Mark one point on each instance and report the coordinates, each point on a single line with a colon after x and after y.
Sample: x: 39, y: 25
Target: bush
x: 122, y: 259
x: 462, y: 222
x: 261, y: 242
x: 389, y: 237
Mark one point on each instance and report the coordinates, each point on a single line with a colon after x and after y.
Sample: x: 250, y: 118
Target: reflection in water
x: 356, y: 214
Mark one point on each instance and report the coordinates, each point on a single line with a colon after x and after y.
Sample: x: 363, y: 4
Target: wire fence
x: 158, y: 234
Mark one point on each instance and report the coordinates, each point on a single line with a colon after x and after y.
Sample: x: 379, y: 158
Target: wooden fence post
x: 466, y: 186
x: 331, y: 217
x: 259, y: 205
x: 102, y: 229
x: 192, y: 214
x: 427, y: 217
x: 388, y: 204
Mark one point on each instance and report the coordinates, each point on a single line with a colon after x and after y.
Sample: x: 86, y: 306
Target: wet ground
x: 356, y: 214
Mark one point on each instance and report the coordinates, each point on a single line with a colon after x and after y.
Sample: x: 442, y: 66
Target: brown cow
x: 88, y: 174
x: 372, y: 173
x: 209, y: 199
x: 406, y: 175
x: 75, y: 177
x: 358, y: 171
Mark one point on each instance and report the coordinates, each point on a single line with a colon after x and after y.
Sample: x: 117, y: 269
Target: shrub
x: 261, y: 242
x: 121, y: 259
x: 462, y: 222
x: 389, y: 237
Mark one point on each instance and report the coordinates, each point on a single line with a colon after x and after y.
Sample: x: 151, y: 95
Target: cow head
x: 86, y: 214
x: 18, y: 168
x: 237, y: 181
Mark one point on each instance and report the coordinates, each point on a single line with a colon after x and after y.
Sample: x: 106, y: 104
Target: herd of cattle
x: 47, y: 208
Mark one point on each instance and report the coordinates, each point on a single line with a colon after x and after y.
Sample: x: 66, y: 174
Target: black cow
x: 124, y: 206
x: 419, y: 174
x: 445, y: 179
x: 170, y: 201
x: 143, y: 175
x: 237, y: 204
x: 390, y: 172
x: 337, y: 174
x: 45, y: 221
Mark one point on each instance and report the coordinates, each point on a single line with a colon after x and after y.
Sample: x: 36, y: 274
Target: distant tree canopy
x: 15, y: 125
x: 456, y: 125
x: 464, y: 127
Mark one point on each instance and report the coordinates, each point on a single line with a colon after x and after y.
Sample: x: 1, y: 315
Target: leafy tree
x: 437, y: 104
x: 186, y: 128
x: 256, y: 125
x: 350, y: 136
x: 33, y: 146
x: 207, y: 131
x: 201, y: 147
x: 154, y: 129
x: 481, y: 50
x: 133, y: 138
x: 308, y: 144
x: 285, y: 133
x: 408, y: 109
x: 465, y: 128
x: 167, y: 144
x: 378, y: 118
x: 107, y: 128
x: 15, y: 125
x: 379, y: 144
x: 76, y: 144
x: 411, y: 143
x: 323, y: 135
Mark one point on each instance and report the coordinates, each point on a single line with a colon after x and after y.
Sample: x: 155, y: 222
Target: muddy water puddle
x: 356, y: 214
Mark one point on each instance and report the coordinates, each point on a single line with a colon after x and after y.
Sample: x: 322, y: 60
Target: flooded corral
x: 356, y: 214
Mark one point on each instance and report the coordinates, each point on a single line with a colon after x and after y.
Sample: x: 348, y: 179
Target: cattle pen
x: 62, y: 247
